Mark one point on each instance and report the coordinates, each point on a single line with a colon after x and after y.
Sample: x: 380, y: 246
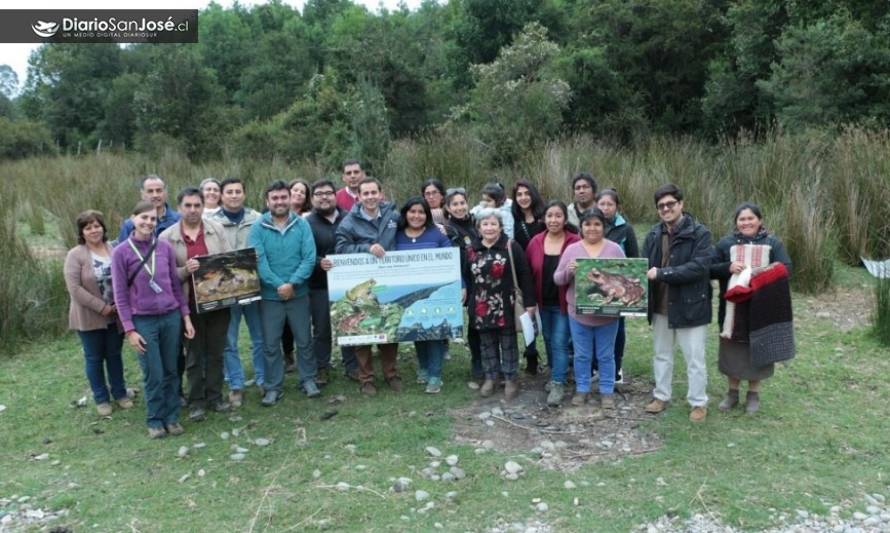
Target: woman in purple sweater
x: 151, y: 307
x: 588, y: 331
x: 417, y: 231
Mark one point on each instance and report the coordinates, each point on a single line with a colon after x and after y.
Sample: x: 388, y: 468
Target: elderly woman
x: 544, y: 252
x: 153, y: 311
x: 493, y: 262
x: 210, y: 189
x: 749, y: 246
x: 417, y: 231
x: 590, y: 332
x: 92, y: 312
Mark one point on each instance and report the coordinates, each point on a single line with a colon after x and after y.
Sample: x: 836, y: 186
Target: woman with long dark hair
x: 417, y: 231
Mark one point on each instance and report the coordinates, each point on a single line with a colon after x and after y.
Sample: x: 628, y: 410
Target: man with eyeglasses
x: 324, y: 220
x: 678, y: 249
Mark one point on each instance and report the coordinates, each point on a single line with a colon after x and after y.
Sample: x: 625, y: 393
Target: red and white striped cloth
x: 753, y: 256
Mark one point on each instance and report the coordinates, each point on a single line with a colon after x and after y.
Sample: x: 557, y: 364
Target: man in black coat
x: 678, y: 249
x: 324, y: 219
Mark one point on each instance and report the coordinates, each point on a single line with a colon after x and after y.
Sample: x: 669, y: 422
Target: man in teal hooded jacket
x: 285, y: 252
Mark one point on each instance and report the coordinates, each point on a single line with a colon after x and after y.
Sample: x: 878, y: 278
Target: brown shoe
x: 175, y: 429
x: 104, y: 409
x: 125, y: 403
x: 579, y: 398
x: 236, y: 398
x: 368, y: 389
x: 655, y: 406
x: 698, y: 414
x: 487, y: 388
x: 607, y: 402
x: 511, y: 389
x: 395, y: 384
x: 322, y: 377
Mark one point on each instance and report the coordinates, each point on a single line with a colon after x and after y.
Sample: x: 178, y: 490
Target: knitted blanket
x: 770, y: 323
x: 754, y: 256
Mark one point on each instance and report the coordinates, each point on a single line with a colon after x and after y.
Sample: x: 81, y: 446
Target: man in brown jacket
x: 191, y: 237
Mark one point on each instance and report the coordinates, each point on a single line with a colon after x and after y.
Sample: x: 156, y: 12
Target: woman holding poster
x: 416, y: 231
x: 590, y: 331
x: 488, y: 274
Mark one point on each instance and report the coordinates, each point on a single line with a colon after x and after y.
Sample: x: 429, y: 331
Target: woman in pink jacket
x: 590, y: 332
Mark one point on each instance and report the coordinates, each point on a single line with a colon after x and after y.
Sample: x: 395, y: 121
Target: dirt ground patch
x: 848, y: 308
x: 562, y: 438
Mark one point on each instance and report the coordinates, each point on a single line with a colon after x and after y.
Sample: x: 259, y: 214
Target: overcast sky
x: 16, y: 55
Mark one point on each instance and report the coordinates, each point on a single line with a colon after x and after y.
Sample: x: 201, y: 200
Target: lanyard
x: 150, y: 271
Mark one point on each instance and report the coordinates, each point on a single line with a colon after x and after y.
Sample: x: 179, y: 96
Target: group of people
x: 518, y: 254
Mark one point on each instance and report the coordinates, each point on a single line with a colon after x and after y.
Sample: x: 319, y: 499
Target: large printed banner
x: 612, y: 287
x: 226, y: 279
x: 404, y: 296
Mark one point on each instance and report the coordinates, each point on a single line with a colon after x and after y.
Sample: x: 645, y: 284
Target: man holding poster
x: 285, y: 252
x: 191, y: 237
x: 370, y: 227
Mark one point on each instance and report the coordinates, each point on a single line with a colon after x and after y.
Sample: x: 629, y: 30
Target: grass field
x: 820, y: 439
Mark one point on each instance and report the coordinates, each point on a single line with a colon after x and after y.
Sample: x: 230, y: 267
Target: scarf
x: 754, y: 256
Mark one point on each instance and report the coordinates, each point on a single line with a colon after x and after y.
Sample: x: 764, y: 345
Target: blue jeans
x: 430, y: 355
x: 586, y: 339
x: 160, y: 378
x: 102, y: 352
x: 296, y: 312
x: 555, y: 324
x: 231, y: 358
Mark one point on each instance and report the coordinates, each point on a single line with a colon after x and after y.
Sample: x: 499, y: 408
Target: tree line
x: 337, y: 79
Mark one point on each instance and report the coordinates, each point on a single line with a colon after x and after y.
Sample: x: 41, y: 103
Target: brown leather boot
x: 511, y: 389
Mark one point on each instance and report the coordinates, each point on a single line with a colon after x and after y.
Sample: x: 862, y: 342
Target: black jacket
x: 687, y: 274
x: 324, y: 233
x: 720, y: 259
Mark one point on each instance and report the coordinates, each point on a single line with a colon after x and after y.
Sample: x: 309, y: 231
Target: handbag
x: 518, y: 306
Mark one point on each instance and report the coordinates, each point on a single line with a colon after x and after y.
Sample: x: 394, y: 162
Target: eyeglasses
x: 319, y: 194
x: 666, y: 206
x: 455, y: 190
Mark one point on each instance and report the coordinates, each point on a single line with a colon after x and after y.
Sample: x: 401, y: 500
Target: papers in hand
x: 530, y: 326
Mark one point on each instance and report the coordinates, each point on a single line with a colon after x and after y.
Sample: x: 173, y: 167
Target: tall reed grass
x: 32, y: 292
x: 826, y: 196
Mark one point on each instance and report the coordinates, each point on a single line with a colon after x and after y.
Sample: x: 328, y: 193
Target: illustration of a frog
x: 363, y: 293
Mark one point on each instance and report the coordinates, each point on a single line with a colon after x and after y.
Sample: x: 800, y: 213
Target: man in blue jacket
x: 285, y: 252
x: 370, y: 227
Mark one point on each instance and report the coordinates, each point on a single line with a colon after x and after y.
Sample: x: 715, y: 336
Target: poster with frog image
x: 226, y: 279
x: 612, y: 287
x: 403, y: 296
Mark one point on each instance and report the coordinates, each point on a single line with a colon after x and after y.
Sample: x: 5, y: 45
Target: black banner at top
x: 99, y: 26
